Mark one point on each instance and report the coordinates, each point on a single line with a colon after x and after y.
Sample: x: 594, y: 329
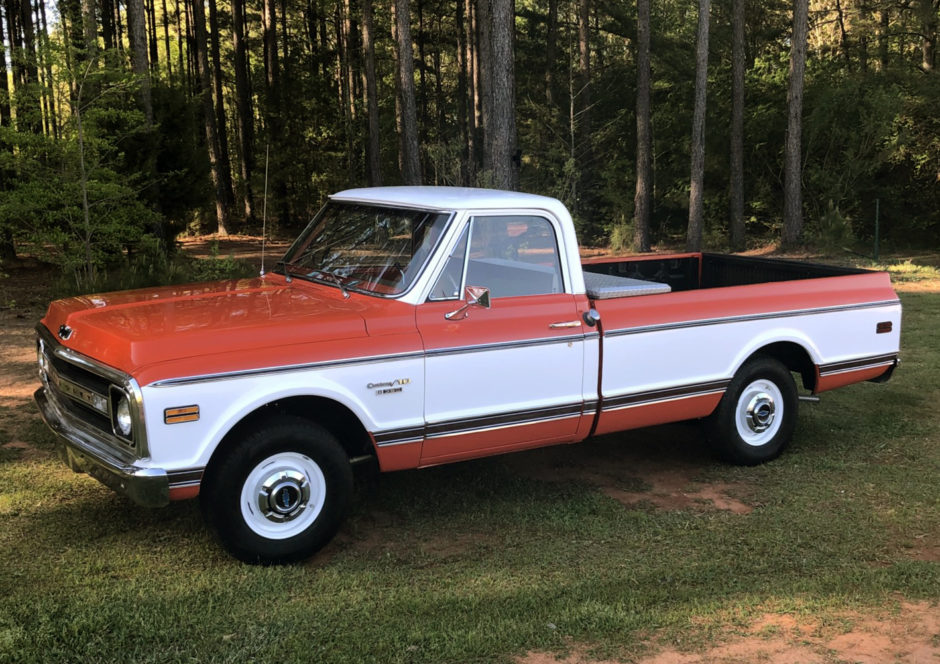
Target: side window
x: 514, y: 256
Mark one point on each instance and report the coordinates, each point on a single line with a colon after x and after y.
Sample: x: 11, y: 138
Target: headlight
x: 123, y: 424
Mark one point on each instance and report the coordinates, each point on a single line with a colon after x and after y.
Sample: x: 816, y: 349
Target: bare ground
x: 908, y: 633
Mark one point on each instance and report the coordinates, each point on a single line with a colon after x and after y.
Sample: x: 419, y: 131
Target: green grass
x: 477, y: 562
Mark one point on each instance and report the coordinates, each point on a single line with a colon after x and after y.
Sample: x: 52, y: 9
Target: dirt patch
x: 658, y: 466
x: 909, y: 635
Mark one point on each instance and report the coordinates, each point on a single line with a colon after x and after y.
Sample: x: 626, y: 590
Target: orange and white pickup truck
x: 424, y: 325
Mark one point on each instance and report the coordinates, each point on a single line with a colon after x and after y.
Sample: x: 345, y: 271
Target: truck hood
x: 129, y: 330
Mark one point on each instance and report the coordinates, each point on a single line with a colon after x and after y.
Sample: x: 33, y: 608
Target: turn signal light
x: 181, y: 414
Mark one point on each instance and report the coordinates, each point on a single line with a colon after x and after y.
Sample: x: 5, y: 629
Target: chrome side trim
x: 505, y: 345
x: 858, y: 364
x: 477, y: 424
x: 665, y: 394
x: 748, y: 317
x: 225, y: 375
x: 187, y: 477
x: 392, y: 357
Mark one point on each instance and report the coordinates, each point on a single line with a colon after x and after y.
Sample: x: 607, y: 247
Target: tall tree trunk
x: 180, y: 37
x: 90, y: 27
x: 137, y: 35
x: 108, y: 29
x: 225, y: 168
x: 585, y: 156
x: 373, y: 169
x: 410, y: 161
x: 884, y: 29
x: 551, y: 41
x: 208, y: 112
x: 792, y: 186
x: 462, y: 91
x: 697, y: 185
x: 347, y: 94
x: 192, y: 75
x: 243, y: 116
x: 46, y: 61
x: 473, y: 93
x: 505, y: 160
x: 420, y: 40
x: 928, y: 48
x: 843, y: 36
x: 485, y: 82
x: 5, y: 116
x: 152, y: 35
x: 119, y: 26
x: 642, y: 201
x: 166, y: 42
x: 273, y: 111
x: 29, y: 103
x: 736, y: 226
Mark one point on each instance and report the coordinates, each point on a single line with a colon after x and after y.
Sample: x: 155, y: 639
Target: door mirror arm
x: 474, y: 296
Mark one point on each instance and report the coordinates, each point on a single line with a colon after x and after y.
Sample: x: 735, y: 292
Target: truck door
x: 509, y: 376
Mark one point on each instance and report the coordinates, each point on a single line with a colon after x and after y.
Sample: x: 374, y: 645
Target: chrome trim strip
x: 501, y: 345
x: 290, y: 367
x: 186, y: 477
x: 665, y: 394
x: 748, y: 317
x: 477, y: 424
x: 857, y: 364
x: 502, y: 420
x: 367, y: 360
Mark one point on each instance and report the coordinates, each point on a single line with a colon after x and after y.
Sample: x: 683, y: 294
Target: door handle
x: 570, y: 323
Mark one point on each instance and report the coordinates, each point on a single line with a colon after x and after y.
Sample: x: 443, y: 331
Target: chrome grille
x: 82, y: 393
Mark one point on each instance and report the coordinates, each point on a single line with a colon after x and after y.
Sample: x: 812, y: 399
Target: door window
x: 512, y: 256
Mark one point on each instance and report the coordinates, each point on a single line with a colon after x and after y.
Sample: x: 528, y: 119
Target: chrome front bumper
x: 83, y: 452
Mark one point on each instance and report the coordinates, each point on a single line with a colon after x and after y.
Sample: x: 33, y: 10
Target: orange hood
x: 247, y: 321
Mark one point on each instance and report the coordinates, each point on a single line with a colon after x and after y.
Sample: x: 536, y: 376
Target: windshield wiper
x: 333, y: 278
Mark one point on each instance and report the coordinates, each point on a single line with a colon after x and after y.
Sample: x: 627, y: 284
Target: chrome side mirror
x: 474, y: 296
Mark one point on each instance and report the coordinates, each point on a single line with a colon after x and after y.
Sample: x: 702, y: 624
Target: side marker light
x: 181, y: 414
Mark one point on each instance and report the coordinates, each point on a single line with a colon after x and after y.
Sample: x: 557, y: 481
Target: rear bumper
x: 84, y: 452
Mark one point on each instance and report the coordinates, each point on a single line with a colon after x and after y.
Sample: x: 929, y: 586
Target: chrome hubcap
x: 283, y: 496
x: 760, y: 412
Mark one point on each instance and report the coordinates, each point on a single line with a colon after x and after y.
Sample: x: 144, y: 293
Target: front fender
x: 225, y: 402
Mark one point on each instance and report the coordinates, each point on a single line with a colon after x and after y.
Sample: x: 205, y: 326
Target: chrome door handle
x: 570, y: 323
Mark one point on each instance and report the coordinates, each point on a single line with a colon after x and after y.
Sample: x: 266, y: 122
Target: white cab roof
x: 450, y: 198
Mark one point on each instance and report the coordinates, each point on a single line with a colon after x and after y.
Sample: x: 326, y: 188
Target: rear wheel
x: 280, y: 493
x: 755, y: 419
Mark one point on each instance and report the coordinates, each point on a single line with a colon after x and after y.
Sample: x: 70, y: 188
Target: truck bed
x: 683, y: 272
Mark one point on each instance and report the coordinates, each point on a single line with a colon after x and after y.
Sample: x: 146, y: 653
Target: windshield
x: 365, y: 248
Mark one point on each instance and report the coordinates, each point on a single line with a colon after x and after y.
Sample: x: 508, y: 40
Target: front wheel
x: 755, y: 419
x: 280, y: 493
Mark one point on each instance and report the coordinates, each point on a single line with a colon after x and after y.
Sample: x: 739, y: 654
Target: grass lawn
x: 614, y: 549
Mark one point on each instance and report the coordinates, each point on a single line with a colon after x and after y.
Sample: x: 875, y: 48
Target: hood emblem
x: 65, y: 332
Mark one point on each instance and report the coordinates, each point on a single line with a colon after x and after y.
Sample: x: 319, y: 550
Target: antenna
x: 264, y: 206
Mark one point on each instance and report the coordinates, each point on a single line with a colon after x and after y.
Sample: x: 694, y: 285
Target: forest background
x: 724, y: 124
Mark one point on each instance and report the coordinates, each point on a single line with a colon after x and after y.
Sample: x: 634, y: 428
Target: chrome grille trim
x: 55, y: 351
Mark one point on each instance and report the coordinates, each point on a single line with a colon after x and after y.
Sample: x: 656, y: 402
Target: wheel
x: 755, y: 419
x: 280, y: 493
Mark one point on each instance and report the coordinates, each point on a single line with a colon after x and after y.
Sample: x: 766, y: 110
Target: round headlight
x: 122, y: 417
